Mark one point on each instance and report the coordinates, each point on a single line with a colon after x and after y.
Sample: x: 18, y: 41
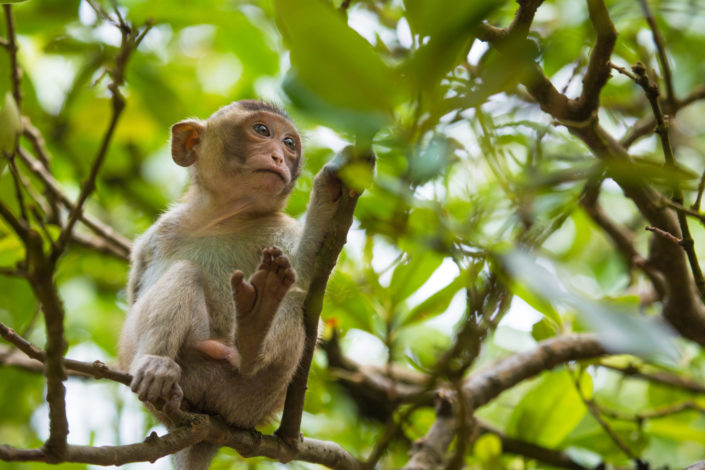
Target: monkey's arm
x: 163, y: 318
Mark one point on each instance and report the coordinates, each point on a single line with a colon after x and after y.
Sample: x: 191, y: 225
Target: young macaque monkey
x: 217, y: 283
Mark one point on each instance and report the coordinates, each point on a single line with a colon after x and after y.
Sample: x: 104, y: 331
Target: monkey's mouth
x: 269, y: 170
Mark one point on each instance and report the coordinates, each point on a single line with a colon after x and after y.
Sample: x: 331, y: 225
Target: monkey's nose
x: 277, y: 158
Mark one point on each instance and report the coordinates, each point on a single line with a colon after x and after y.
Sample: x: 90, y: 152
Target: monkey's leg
x: 257, y: 301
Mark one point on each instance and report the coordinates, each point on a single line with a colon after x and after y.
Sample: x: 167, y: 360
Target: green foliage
x: 479, y: 212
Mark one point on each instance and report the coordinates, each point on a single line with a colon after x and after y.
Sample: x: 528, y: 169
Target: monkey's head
x: 248, y: 151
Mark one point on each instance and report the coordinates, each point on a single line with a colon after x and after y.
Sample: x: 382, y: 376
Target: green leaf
x: 450, y: 36
x: 488, y: 449
x: 543, y: 329
x: 412, y: 273
x: 621, y: 328
x: 551, y: 410
x: 4, y: 2
x: 436, y: 303
x: 333, y: 61
x: 10, y: 128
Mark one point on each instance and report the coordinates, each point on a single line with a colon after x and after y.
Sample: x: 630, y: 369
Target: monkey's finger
x: 236, y: 279
x: 173, y: 399
x: 289, y: 277
x: 136, y: 380
x: 282, y: 270
x: 144, y: 386
x: 163, y: 388
x: 160, y: 387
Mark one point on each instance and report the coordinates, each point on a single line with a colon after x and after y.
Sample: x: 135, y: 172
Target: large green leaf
x: 436, y: 303
x: 621, y: 328
x: 551, y: 410
x: 412, y: 273
x: 449, y: 36
x: 10, y: 128
x: 333, y: 61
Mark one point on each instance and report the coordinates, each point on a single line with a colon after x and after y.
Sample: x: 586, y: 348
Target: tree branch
x: 652, y: 94
x: 15, y: 72
x: 119, y: 244
x: 483, y: 386
x: 131, y: 38
x: 326, y: 258
x: 682, y: 306
x: 661, y: 51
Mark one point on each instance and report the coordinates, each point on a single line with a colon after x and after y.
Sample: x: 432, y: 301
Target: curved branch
x: 483, y: 386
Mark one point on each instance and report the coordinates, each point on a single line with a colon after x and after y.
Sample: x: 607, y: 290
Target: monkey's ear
x: 185, y: 135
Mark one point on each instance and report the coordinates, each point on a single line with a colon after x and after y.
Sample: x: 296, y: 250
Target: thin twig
x: 17, y: 225
x: 16, y: 180
x: 596, y: 413
x: 660, y: 377
x: 664, y: 234
x: 623, y: 71
x: 15, y: 72
x: 698, y: 198
x: 130, y: 41
x: 122, y: 245
x: 654, y: 414
x: 661, y: 50
x: 652, y: 94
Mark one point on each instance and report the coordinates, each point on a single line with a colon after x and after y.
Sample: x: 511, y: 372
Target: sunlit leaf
x: 10, y: 128
x: 436, y: 303
x: 488, y: 448
x: 334, y: 62
x: 620, y: 328
x: 412, y: 273
x: 550, y: 411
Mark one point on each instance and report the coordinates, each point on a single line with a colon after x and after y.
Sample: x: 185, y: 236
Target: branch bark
x: 333, y: 242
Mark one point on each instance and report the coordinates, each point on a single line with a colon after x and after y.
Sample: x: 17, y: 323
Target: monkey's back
x: 214, y: 386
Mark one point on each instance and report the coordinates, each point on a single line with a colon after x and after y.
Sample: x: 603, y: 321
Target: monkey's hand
x: 328, y: 183
x: 155, y: 377
x: 257, y: 301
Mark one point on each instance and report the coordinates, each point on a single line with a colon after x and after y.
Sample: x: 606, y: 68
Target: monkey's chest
x: 218, y: 258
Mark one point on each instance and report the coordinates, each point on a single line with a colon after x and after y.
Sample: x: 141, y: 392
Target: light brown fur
x: 183, y: 316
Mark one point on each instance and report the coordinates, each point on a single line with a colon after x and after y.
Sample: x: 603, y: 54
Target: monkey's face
x: 264, y: 148
x: 245, y: 151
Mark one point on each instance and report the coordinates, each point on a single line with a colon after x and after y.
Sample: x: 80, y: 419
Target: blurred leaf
x: 432, y: 160
x: 621, y: 329
x: 436, y: 303
x: 450, y: 36
x: 11, y: 250
x: 676, y: 430
x: 10, y: 128
x: 543, y: 329
x: 412, y: 273
x: 333, y: 61
x: 551, y: 410
x: 487, y: 449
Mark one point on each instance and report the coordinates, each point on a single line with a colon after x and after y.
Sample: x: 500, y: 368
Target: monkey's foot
x: 218, y: 350
x: 257, y: 300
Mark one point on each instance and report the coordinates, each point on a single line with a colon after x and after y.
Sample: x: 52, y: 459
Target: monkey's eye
x: 289, y: 142
x: 261, y: 129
